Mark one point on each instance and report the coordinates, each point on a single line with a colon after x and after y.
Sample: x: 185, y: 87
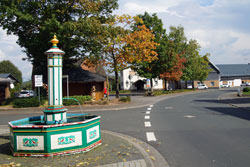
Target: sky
x: 221, y: 27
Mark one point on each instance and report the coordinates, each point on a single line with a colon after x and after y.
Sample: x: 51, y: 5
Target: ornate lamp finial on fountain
x: 54, y: 41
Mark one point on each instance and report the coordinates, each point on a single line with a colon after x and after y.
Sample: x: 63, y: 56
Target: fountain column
x: 56, y: 112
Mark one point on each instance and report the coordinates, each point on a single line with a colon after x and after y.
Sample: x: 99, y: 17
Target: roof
x: 234, y: 69
x: 8, y: 75
x: 6, y: 80
x: 78, y: 75
x: 4, y: 75
x: 215, y: 67
x: 98, y: 69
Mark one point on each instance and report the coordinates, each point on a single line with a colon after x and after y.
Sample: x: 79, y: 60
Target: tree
x: 78, y: 24
x: 196, y: 66
x: 127, y: 47
x: 201, y: 69
x: 151, y: 70
x: 175, y: 73
x: 7, y: 67
x: 173, y: 59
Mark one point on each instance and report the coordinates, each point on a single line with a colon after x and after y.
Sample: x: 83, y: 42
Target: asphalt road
x: 193, y: 130
x: 199, y: 131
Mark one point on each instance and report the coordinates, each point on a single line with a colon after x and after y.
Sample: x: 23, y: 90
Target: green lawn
x: 246, y: 93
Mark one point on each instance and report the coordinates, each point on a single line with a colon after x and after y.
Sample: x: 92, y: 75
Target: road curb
x: 164, y: 97
x: 233, y: 105
x: 152, y: 157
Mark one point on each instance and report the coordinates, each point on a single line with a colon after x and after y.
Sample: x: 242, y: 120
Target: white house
x: 130, y: 80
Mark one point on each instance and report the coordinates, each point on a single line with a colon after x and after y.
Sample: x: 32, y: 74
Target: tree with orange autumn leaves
x: 175, y: 73
x: 146, y: 48
x: 170, y: 62
x: 126, y: 47
x: 177, y: 57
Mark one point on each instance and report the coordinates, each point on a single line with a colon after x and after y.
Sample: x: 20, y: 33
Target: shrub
x: 81, y: 99
x: 246, y: 89
x: 7, y: 101
x: 103, y: 101
x: 125, y: 99
x: 27, y: 102
x: 162, y: 92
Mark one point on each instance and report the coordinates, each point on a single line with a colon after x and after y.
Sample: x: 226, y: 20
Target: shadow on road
x: 228, y: 101
x: 235, y: 112
x: 209, y: 101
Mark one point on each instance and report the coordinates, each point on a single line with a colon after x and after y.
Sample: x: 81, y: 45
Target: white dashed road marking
x: 147, y: 124
x: 167, y: 108
x: 150, y: 136
x: 189, y: 116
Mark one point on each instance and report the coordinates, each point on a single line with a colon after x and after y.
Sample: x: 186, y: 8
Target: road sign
x: 38, y: 80
x: 148, y: 83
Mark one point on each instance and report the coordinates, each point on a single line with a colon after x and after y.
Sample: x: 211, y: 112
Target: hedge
x: 81, y: 99
x: 27, y: 102
x: 125, y: 99
x: 247, y: 89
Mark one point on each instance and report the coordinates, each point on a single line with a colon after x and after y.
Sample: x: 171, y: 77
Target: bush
x: 125, y: 99
x: 246, y: 89
x: 27, y: 102
x: 6, y: 102
x: 162, y: 92
x: 81, y: 99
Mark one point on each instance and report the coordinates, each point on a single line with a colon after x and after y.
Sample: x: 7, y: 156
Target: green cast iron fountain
x: 56, y: 132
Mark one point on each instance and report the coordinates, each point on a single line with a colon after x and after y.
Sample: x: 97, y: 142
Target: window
x: 212, y: 83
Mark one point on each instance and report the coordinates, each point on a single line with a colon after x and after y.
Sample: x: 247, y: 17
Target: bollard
x: 239, y: 92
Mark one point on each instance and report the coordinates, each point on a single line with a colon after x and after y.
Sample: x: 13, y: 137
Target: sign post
x: 38, y: 83
x: 148, y: 85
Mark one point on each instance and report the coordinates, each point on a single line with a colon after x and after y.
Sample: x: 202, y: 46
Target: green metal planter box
x: 31, y: 137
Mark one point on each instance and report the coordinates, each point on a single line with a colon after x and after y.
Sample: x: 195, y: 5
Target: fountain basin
x: 32, y: 137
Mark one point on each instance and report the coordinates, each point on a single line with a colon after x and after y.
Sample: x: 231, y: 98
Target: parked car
x: 189, y: 86
x: 225, y: 86
x: 202, y: 86
x: 26, y: 93
x: 245, y: 84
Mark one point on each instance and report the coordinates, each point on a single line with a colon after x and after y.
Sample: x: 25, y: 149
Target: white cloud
x: 132, y: 7
x: 2, y: 55
x: 220, y: 26
x: 9, y: 50
x: 7, y: 39
x: 243, y: 41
